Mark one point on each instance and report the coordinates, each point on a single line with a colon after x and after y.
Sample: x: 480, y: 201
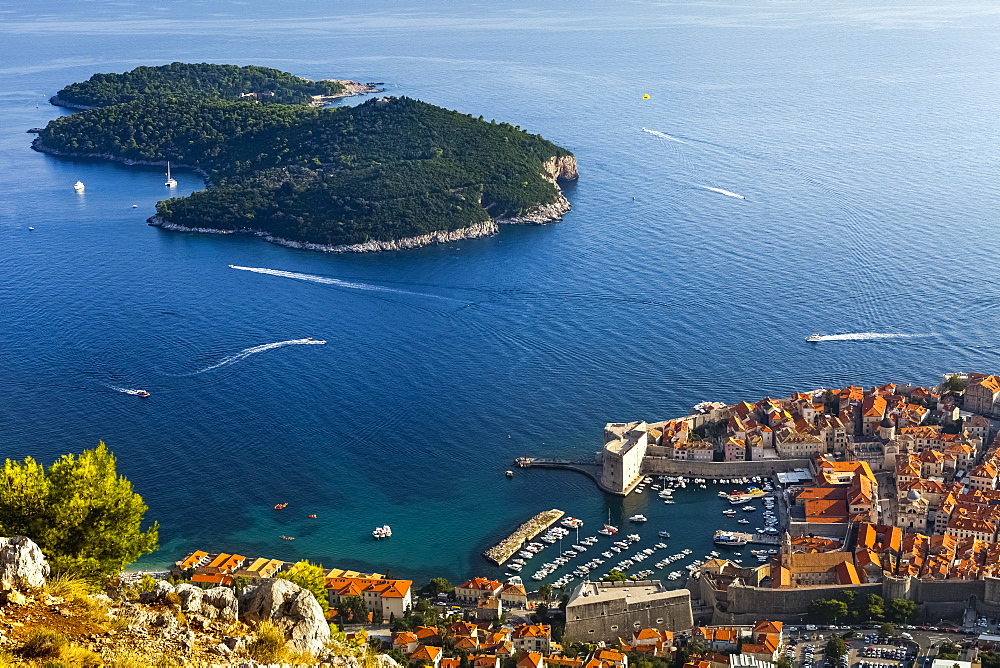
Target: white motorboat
x: 638, y: 518
x: 814, y: 338
x: 382, y: 532
x: 79, y: 187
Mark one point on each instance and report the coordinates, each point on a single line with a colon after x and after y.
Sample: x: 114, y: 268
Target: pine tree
x: 84, y: 516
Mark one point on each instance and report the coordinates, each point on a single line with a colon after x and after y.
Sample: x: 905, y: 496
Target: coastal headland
x: 389, y: 174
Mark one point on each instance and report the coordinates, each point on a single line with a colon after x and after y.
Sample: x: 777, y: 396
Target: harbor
x: 668, y: 528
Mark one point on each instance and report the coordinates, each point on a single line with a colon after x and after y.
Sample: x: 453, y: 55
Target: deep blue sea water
x: 864, y: 138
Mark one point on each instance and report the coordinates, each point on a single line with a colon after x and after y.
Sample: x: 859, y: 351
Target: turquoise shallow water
x: 863, y: 138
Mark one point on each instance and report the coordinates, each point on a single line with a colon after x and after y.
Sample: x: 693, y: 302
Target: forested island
x: 389, y: 173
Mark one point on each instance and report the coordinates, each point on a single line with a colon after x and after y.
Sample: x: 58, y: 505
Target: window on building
x: 614, y: 627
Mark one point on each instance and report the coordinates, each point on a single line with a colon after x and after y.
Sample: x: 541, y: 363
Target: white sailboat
x: 171, y: 182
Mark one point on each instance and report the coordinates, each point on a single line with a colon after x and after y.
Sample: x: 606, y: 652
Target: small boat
x: 638, y: 518
x: 382, y: 532
x: 79, y: 187
x: 664, y: 534
x: 135, y: 206
x: 30, y: 229
x: 743, y: 520
x: 608, y: 530
x: 286, y: 538
x: 170, y: 182
x: 509, y: 474
x: 312, y: 517
x: 280, y: 506
x: 141, y: 393
x: 814, y: 338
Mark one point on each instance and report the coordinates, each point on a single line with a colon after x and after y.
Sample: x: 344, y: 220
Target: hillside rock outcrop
x: 292, y: 609
x: 22, y: 565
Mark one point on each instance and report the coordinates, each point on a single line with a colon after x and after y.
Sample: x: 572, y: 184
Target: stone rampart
x: 747, y: 604
x: 665, y: 466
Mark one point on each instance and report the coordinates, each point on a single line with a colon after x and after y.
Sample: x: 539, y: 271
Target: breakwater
x: 506, y: 548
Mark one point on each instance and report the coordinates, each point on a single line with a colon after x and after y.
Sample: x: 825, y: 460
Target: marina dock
x: 752, y: 538
x: 506, y: 548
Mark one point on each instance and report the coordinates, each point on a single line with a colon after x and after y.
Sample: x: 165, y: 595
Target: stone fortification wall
x: 662, y: 465
x: 939, y: 599
x: 608, y: 620
x: 747, y: 604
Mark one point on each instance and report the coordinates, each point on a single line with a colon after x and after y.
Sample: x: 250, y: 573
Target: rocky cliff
x: 54, y: 621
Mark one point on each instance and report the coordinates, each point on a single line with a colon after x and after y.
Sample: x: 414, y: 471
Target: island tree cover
x: 195, y: 80
x: 383, y: 170
x: 83, y: 515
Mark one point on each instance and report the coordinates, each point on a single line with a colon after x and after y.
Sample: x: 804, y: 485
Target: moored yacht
x: 170, y: 182
x: 382, y: 532
x: 638, y: 518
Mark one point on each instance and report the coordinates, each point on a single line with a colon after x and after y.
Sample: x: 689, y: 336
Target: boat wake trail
x: 243, y: 354
x: 126, y: 390
x: 868, y: 336
x: 664, y: 135
x: 327, y: 281
x: 727, y: 193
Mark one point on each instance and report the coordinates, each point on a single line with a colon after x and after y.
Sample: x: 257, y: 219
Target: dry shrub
x: 80, y: 657
x: 269, y: 645
x: 68, y: 586
x: 173, y: 599
x: 43, y: 644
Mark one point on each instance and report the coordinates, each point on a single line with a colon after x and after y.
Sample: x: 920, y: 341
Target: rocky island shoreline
x: 558, y: 168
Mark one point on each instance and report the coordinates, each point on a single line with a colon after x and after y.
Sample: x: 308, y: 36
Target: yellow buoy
x: 645, y: 97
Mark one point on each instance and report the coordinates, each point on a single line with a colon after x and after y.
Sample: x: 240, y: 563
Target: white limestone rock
x: 292, y: 609
x: 22, y: 565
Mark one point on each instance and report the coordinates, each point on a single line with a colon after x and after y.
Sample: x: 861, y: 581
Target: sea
x: 797, y: 167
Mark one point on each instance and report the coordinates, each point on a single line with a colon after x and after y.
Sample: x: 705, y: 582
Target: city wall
x: 939, y: 599
x: 697, y: 469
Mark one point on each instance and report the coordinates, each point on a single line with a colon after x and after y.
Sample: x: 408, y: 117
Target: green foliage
x: 873, y: 607
x: 84, y: 516
x: 948, y: 650
x: 353, y: 609
x: 887, y: 630
x: 309, y: 576
x: 989, y: 659
x: 836, y: 647
x: 438, y: 586
x: 954, y: 384
x: 827, y: 611
x: 380, y: 171
x: 195, y: 81
x: 615, y: 575
x: 545, y: 592
x: 783, y: 662
x: 43, y: 644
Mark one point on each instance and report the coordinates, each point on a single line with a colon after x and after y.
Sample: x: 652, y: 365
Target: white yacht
x: 638, y: 518
x: 78, y: 186
x: 170, y: 182
x: 814, y: 338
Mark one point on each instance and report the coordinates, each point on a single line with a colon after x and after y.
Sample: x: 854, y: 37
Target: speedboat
x: 743, y: 520
x: 814, y: 338
x: 141, y: 393
x: 638, y: 518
